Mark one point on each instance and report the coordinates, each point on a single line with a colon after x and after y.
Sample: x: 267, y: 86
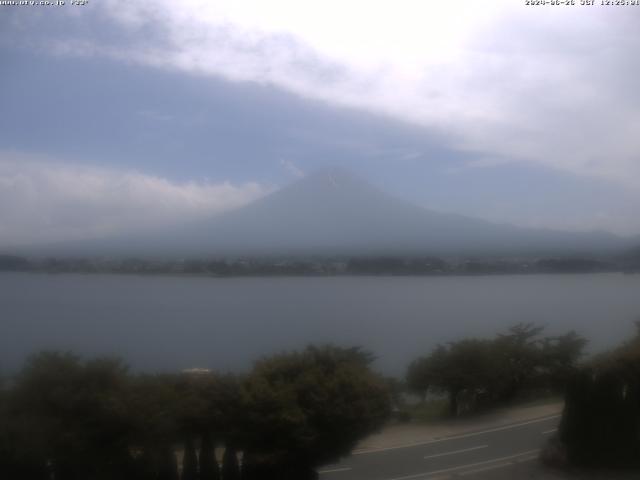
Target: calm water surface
x: 157, y: 322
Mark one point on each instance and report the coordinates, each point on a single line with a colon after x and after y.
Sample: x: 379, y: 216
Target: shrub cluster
x: 601, y: 421
x: 476, y: 372
x: 69, y: 419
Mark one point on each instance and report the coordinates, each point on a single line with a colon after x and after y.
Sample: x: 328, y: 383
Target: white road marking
x: 456, y: 451
x: 462, y: 467
x: 499, y: 465
x: 334, y: 470
x: 455, y: 437
x: 485, y: 469
x: 547, y: 432
x: 527, y: 459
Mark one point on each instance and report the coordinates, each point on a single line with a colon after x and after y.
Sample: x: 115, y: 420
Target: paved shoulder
x: 491, y: 445
x: 402, y: 435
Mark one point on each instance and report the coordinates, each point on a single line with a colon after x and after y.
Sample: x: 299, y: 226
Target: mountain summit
x: 333, y: 212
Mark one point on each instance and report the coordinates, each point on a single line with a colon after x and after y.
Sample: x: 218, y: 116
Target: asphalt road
x: 504, y: 452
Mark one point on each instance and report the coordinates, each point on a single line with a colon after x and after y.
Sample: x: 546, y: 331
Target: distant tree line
x: 397, y: 266
x: 12, y: 263
x: 65, y: 418
x: 297, y: 266
x: 482, y: 372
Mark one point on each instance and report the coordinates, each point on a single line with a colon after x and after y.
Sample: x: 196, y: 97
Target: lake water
x: 158, y: 322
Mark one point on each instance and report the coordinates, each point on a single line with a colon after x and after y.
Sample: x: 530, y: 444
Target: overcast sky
x: 118, y: 115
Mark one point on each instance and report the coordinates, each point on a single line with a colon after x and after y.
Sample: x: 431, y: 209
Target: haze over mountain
x: 333, y: 212
x: 271, y: 94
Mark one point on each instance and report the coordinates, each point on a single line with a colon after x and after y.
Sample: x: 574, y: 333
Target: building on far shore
x: 196, y: 371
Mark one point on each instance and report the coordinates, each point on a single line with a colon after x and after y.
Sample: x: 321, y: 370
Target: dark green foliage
x: 466, y: 366
x: 72, y: 414
x: 519, y: 355
x: 559, y: 356
x: 17, y: 460
x: 419, y: 377
x: 459, y: 367
x: 473, y: 372
x: 230, y: 466
x: 311, y: 407
x: 154, y: 406
x: 209, y: 469
x: 90, y: 420
x: 601, y: 422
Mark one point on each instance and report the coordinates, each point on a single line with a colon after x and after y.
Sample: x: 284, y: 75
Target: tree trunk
x: 189, y: 461
x: 168, y: 468
x: 209, y: 469
x: 230, y: 467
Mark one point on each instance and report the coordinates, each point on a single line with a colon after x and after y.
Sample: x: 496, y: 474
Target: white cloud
x: 291, y: 168
x: 42, y: 201
x: 550, y: 85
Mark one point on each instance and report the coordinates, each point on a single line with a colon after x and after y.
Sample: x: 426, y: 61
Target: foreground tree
x: 472, y: 371
x: 230, y: 465
x: 468, y: 366
x: 72, y: 416
x: 189, y: 461
x: 601, y: 421
x: 309, y: 408
x: 519, y: 356
x: 209, y: 469
x: 560, y: 357
x: 420, y: 377
x: 21, y: 452
x: 70, y: 419
x: 153, y: 406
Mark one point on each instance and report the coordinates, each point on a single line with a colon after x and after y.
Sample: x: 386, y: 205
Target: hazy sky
x: 117, y: 115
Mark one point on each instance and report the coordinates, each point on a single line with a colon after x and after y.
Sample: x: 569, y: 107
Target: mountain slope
x: 334, y: 212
